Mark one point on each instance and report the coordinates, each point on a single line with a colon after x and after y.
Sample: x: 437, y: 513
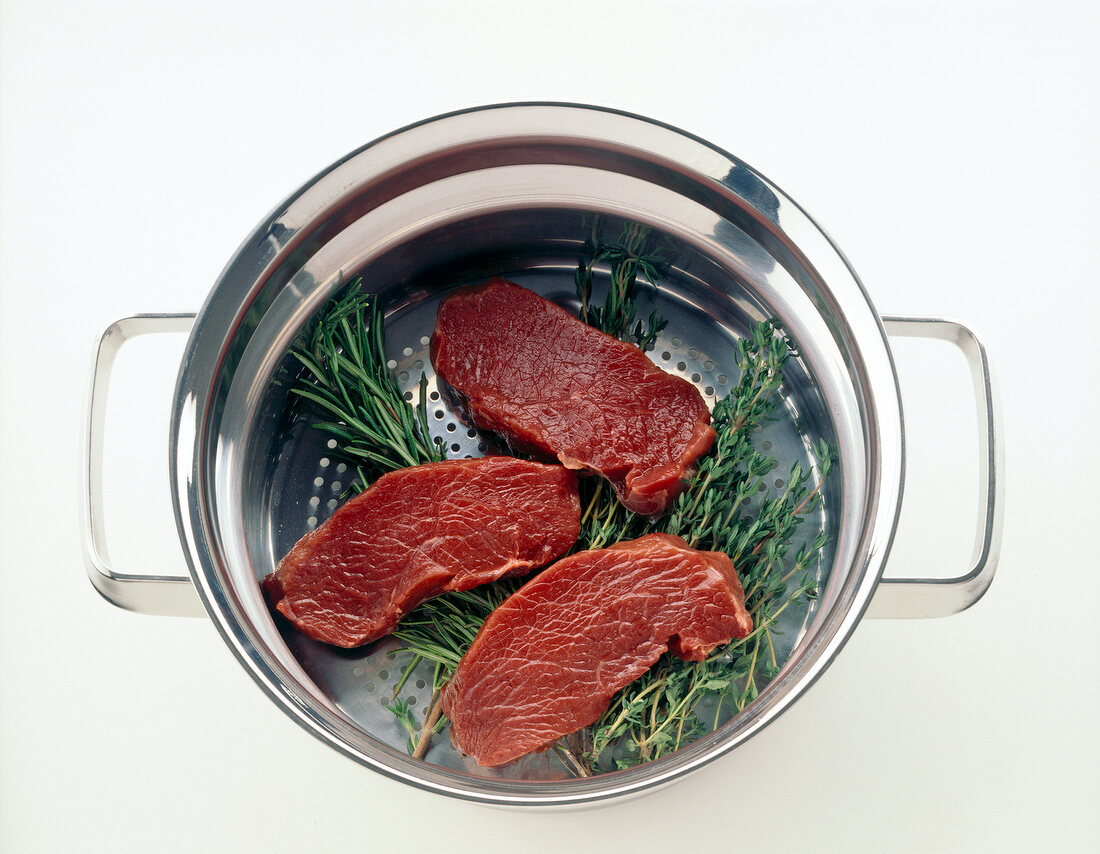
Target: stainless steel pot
x: 519, y: 190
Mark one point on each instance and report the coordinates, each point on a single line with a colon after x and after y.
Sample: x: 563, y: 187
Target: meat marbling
x: 548, y: 660
x: 418, y: 532
x: 552, y: 385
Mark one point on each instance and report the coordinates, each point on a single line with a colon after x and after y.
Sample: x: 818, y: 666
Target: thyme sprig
x: 658, y: 712
x: 346, y: 377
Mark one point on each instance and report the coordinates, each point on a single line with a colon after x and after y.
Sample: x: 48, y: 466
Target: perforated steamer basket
x: 523, y: 191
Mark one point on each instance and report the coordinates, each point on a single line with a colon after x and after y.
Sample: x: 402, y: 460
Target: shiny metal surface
x: 515, y: 190
x: 899, y: 597
x: 146, y: 592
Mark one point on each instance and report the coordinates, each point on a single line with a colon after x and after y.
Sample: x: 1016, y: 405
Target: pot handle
x: 908, y: 598
x: 169, y: 595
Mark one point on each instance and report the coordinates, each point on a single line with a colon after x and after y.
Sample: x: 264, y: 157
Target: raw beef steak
x: 552, y: 385
x: 548, y: 660
x: 418, y: 532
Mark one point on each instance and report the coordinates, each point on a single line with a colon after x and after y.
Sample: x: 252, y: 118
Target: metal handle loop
x: 941, y: 597
x: 169, y: 595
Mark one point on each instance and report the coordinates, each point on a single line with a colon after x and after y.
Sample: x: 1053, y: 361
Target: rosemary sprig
x: 441, y: 629
x: 402, y: 710
x: 347, y: 380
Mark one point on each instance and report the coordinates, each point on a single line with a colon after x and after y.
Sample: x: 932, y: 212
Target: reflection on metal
x: 941, y: 597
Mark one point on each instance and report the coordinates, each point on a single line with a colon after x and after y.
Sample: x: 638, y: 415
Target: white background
x: 950, y: 149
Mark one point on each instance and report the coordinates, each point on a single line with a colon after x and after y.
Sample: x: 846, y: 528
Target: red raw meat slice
x: 418, y: 532
x: 549, y: 659
x: 555, y: 386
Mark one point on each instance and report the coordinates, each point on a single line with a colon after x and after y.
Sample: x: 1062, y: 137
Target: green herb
x: 604, y: 520
x: 346, y: 376
x: 377, y: 429
x: 657, y: 713
x: 440, y: 631
x: 403, y: 712
x: 626, y: 258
